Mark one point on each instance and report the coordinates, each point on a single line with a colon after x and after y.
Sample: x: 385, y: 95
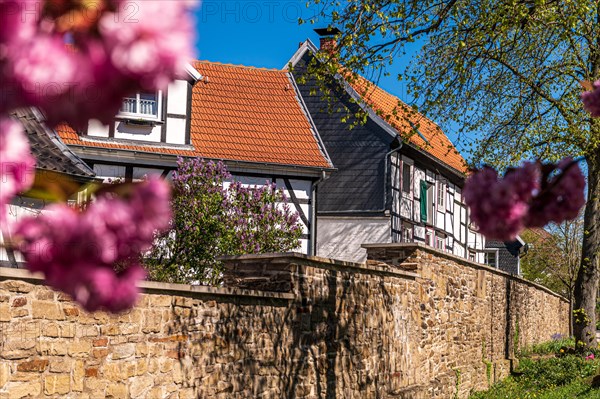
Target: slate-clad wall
x: 508, y: 255
x: 324, y: 329
x: 359, y: 154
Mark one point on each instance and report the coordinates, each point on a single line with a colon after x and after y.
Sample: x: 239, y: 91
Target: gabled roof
x: 50, y: 152
x: 238, y: 113
x: 407, y: 123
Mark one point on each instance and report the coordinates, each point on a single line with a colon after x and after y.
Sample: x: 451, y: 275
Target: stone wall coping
x: 317, y: 262
x: 463, y: 261
x: 158, y: 288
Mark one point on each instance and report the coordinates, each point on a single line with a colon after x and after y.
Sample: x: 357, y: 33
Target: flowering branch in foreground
x: 530, y: 196
x: 75, y: 60
x: 77, y: 250
x: 16, y: 163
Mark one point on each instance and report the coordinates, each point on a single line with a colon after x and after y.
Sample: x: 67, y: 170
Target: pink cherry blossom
x: 561, y: 197
x: 151, y: 46
x: 498, y: 206
x: 17, y: 165
x: 530, y: 196
x: 77, y: 251
x: 591, y: 100
x: 117, y: 49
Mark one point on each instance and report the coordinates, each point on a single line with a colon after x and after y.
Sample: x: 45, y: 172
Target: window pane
x: 490, y: 259
x: 148, y: 104
x: 406, y: 178
x: 129, y: 105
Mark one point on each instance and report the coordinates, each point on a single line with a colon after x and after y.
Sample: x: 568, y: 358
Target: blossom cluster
x: 591, y: 100
x: 532, y: 195
x: 77, y: 251
x: 76, y: 60
x: 16, y: 163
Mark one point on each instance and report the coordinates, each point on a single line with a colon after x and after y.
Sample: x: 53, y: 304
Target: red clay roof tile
x: 401, y: 116
x: 241, y: 113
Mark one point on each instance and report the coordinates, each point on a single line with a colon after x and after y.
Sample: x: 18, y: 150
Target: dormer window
x: 142, y: 106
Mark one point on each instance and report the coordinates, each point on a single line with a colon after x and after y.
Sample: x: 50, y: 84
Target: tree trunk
x: 586, y: 285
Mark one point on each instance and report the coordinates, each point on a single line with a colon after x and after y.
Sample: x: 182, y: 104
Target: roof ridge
x: 238, y: 66
x: 416, y: 111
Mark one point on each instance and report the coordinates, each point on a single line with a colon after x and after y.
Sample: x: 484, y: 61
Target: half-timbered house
x: 251, y: 118
x: 398, y: 177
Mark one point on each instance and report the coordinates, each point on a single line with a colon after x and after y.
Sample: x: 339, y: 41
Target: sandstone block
x: 91, y: 372
x: 4, y: 373
x: 47, y: 310
x: 4, y: 312
x: 71, y: 311
x: 140, y: 386
x: 17, y: 286
x: 23, y: 389
x: 57, y: 384
x: 35, y: 365
x: 52, y: 348
x: 123, y: 351
x: 45, y: 295
x: 80, y: 348
x: 19, y: 301
x: 60, y: 364
x: 100, y: 342
x: 116, y: 390
x: 18, y: 312
x: 79, y: 374
x: 160, y: 300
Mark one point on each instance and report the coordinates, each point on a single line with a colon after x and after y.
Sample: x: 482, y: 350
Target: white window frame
x: 489, y: 252
x: 410, y: 175
x: 430, y: 238
x: 407, y: 233
x: 471, y: 255
x: 140, y: 116
x: 441, y: 195
x: 431, y: 201
x: 440, y: 239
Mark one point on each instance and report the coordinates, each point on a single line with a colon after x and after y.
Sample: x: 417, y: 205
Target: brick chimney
x: 328, y: 41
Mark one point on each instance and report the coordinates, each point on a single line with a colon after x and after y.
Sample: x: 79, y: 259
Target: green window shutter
x: 424, y: 186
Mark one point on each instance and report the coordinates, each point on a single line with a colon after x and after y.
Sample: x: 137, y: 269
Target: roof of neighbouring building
x: 411, y: 125
x: 239, y: 113
x: 50, y: 152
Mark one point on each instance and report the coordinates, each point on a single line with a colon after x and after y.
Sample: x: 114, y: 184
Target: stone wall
x: 411, y: 323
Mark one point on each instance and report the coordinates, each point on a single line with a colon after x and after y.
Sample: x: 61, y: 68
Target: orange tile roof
x: 239, y: 113
x: 401, y: 116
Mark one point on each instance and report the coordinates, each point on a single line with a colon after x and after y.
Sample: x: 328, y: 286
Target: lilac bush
x: 212, y: 219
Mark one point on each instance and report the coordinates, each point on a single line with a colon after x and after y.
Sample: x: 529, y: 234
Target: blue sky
x: 262, y: 34
x: 266, y: 34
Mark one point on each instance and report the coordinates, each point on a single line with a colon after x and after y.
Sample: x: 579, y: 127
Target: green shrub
x: 545, y: 373
x: 550, y: 347
x: 552, y: 378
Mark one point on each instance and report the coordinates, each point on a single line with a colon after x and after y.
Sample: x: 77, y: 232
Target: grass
x: 512, y: 388
x: 548, y: 371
